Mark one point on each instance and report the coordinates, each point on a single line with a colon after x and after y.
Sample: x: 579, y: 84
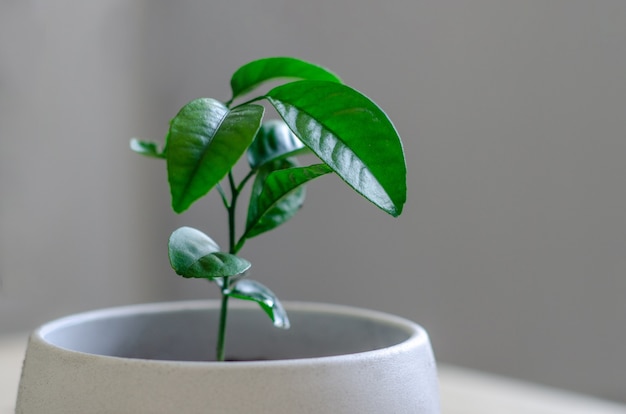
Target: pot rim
x: 417, y: 336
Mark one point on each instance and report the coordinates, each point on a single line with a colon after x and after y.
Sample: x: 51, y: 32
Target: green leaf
x: 351, y: 134
x: 277, y: 194
x: 205, y: 141
x: 194, y: 254
x: 217, y: 265
x: 186, y: 246
x: 149, y: 149
x: 273, y: 141
x: 254, y: 291
x: 252, y: 74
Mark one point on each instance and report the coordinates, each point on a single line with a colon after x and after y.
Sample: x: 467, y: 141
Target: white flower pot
x: 155, y: 358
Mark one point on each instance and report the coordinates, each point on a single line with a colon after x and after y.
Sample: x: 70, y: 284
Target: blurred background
x: 512, y: 247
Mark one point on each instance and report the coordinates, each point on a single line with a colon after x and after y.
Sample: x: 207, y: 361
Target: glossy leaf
x: 252, y: 74
x: 218, y: 265
x: 273, y: 141
x: 289, y: 207
x: 147, y: 148
x: 278, y: 194
x: 205, y: 141
x: 186, y: 246
x: 351, y: 134
x: 194, y: 254
x: 254, y: 291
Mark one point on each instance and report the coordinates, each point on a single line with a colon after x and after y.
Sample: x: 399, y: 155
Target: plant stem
x: 231, y: 208
x: 231, y: 213
x: 221, y: 333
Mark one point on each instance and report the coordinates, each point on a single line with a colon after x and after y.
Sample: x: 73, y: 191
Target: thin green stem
x: 220, y: 190
x: 229, y: 103
x: 245, y: 180
x: 232, y: 209
x: 221, y: 334
x: 239, y: 244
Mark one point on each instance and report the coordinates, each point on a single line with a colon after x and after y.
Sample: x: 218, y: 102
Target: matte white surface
x: 462, y: 391
x: 339, y: 360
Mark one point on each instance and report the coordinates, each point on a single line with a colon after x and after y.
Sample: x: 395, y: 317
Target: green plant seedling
x: 347, y: 132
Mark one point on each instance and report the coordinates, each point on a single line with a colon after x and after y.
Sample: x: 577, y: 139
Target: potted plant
x: 159, y: 358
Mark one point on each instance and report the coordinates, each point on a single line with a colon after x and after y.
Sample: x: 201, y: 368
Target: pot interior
x: 189, y: 334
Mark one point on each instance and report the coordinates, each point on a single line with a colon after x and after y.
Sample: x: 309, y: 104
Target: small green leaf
x: 254, y: 291
x: 273, y: 141
x: 217, y: 265
x: 205, y: 141
x: 278, y: 193
x: 149, y: 149
x: 252, y: 74
x: 194, y: 254
x: 351, y: 134
x: 187, y: 245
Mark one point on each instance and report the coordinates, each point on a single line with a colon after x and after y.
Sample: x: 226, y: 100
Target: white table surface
x: 462, y: 391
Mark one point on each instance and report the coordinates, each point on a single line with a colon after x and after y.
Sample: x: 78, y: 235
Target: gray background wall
x: 511, y: 251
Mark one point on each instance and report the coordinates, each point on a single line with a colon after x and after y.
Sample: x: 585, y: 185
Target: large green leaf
x: 256, y: 72
x: 252, y: 290
x: 194, y: 254
x: 351, y: 134
x: 273, y: 141
x: 205, y: 140
x: 277, y: 194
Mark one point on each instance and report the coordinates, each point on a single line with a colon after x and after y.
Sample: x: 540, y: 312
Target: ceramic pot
x: 156, y: 358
